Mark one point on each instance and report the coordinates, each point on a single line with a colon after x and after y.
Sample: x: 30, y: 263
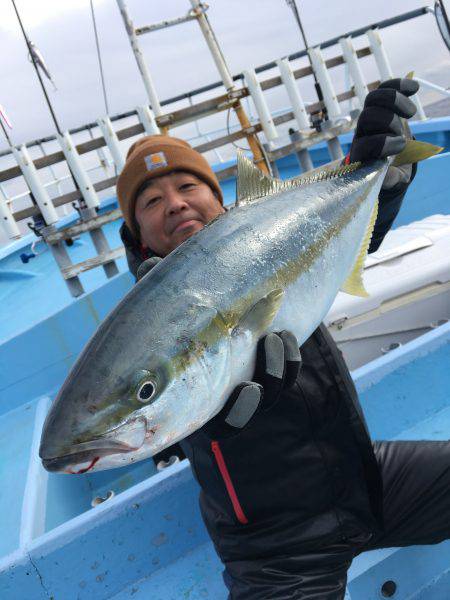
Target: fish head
x: 115, y: 408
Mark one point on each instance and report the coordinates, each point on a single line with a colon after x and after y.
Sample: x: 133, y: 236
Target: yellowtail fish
x: 165, y: 360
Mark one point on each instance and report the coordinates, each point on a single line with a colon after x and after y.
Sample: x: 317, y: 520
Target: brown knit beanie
x: 153, y: 156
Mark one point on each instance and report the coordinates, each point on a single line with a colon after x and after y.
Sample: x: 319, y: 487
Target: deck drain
x: 388, y: 589
x: 392, y: 346
x: 99, y: 500
x: 163, y: 464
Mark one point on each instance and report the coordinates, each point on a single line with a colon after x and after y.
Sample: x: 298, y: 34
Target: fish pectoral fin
x: 414, y: 152
x: 258, y: 318
x: 354, y: 283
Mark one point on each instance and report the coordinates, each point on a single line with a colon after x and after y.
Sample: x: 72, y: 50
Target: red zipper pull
x: 215, y: 447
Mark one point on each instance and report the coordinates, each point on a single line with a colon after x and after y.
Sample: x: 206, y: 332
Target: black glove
x: 147, y: 266
x: 277, y: 365
x: 379, y: 131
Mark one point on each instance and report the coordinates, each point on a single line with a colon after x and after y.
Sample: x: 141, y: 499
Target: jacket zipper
x: 228, y: 483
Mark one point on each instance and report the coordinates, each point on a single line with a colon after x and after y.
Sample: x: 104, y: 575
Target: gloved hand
x: 147, y: 266
x: 379, y: 131
x: 278, y: 362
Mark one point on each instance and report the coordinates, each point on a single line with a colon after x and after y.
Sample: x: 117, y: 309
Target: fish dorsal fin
x: 253, y: 183
x: 354, y: 283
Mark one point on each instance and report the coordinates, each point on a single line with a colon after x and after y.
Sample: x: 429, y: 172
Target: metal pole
x: 145, y: 73
x: 304, y: 158
x: 148, y: 120
x: 219, y: 59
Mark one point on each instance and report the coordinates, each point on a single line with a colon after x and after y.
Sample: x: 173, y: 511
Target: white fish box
x: 408, y: 281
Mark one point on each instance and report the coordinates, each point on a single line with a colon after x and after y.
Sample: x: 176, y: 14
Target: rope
x: 100, y: 64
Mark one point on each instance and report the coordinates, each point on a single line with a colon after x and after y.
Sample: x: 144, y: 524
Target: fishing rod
x: 33, y: 59
x: 44, y: 91
x: 322, y: 115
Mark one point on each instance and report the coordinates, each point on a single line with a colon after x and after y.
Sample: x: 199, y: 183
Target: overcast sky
x: 251, y: 32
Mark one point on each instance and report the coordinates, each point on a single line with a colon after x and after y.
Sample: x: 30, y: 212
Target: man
x: 293, y: 489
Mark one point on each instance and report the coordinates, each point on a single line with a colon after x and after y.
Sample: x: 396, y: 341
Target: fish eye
x: 146, y: 391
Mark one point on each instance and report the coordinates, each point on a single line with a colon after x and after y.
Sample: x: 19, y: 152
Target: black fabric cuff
x: 390, y: 202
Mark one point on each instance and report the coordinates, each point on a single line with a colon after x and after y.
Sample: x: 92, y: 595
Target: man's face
x: 172, y: 208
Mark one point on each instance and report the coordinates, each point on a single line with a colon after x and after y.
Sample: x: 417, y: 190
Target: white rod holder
x: 323, y: 77
x: 6, y: 218
x: 379, y: 53
x: 31, y: 177
x: 148, y: 120
x: 79, y: 172
x: 384, y: 67
x: 262, y: 109
x: 298, y: 106
x: 351, y: 59
x: 145, y: 73
x: 112, y: 141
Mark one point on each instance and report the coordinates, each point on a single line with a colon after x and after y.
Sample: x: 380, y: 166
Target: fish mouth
x: 84, y: 456
x: 72, y: 463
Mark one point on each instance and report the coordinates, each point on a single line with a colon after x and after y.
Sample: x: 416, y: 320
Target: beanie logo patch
x: 155, y: 161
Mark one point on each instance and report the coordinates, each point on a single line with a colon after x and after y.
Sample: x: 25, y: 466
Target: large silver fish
x: 166, y: 359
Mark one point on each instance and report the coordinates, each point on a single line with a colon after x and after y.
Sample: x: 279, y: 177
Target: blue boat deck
x: 149, y: 541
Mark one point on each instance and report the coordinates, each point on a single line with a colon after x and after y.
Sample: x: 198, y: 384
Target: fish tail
x: 415, y: 151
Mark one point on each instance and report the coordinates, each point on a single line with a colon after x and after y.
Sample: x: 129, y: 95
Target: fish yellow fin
x: 252, y: 184
x: 409, y: 75
x: 415, y: 151
x: 258, y: 318
x: 354, y: 283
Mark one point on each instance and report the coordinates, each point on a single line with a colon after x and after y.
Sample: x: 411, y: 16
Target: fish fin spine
x: 251, y: 183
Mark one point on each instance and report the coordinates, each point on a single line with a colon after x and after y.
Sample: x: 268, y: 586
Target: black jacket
x: 302, y: 474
